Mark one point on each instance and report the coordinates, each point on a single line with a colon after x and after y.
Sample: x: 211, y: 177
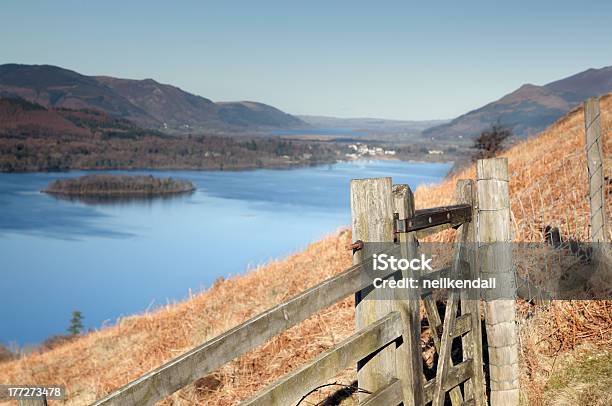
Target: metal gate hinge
x: 454, y: 216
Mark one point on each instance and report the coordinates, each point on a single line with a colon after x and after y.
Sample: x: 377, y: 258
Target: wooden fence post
x: 372, y: 222
x: 471, y: 342
x: 594, y: 151
x: 409, y: 359
x: 495, y: 257
x: 42, y: 401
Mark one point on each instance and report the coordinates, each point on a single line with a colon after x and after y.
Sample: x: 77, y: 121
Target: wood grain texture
x: 494, y: 237
x: 372, y: 221
x: 455, y: 376
x: 435, y: 324
x: 448, y: 326
x: 594, y: 151
x: 463, y: 324
x: 33, y: 402
x: 390, y: 395
x: 409, y: 363
x: 293, y: 386
x: 602, y: 253
x: 475, y: 387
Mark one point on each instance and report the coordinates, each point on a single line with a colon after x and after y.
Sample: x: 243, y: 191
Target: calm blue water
x: 109, y: 260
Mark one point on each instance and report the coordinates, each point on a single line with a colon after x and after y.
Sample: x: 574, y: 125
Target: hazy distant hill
x: 145, y: 102
x: 371, y: 125
x: 244, y: 113
x: 183, y: 111
x: 530, y: 108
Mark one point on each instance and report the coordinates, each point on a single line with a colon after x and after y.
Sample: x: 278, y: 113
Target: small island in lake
x: 119, y: 185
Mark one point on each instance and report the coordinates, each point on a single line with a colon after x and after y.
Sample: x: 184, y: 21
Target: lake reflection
x: 120, y: 200
x: 109, y: 259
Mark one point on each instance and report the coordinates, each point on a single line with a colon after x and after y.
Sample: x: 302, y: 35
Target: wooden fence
x: 597, y: 190
x: 386, y: 345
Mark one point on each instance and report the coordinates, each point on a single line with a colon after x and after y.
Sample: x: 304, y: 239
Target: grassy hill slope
x: 547, y: 186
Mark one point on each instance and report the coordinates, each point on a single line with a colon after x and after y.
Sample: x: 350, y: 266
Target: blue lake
x: 114, y: 259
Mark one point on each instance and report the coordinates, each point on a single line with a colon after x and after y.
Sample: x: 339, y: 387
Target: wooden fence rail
x: 213, y: 354
x: 291, y: 388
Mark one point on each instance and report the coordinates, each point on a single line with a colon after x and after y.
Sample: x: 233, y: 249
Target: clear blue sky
x: 392, y: 59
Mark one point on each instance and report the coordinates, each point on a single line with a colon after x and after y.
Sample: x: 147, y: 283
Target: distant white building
x: 435, y: 152
x: 364, y: 150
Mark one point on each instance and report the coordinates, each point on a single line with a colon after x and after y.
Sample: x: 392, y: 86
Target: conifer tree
x: 76, y: 325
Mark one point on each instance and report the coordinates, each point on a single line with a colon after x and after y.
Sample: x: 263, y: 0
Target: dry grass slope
x: 548, y: 187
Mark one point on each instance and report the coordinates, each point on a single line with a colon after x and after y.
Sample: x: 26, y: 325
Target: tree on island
x: 76, y: 325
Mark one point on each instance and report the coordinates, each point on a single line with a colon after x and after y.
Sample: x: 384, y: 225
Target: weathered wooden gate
x: 372, y: 221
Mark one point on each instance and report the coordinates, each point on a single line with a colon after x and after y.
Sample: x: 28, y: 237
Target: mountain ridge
x: 370, y: 123
x: 145, y: 102
x: 530, y: 108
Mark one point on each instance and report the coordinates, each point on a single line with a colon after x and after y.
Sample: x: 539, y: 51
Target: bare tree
x: 490, y: 142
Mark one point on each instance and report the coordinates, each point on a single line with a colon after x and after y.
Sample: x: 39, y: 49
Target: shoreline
x: 121, y: 193
x: 239, y: 169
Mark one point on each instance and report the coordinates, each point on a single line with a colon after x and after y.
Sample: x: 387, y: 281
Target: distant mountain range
x: 371, y: 125
x: 529, y: 109
x: 150, y: 104
x: 146, y: 103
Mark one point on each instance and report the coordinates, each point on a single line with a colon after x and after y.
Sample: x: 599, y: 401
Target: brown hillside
x: 18, y: 116
x: 548, y: 187
x: 21, y: 119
